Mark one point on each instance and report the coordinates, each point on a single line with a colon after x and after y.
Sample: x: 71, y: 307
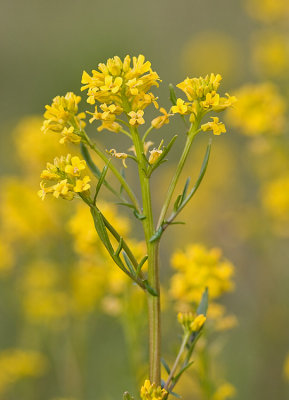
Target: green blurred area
x: 45, y: 46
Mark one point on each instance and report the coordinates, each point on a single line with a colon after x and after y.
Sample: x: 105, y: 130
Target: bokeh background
x: 66, y: 328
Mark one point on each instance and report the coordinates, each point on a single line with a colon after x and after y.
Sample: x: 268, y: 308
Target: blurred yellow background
x: 65, y: 326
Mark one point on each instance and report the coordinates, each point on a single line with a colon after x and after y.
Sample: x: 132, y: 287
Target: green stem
x: 147, y: 133
x: 153, y: 265
x: 191, y: 135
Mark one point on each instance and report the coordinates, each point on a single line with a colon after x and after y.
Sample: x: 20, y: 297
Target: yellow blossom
x: 212, y: 99
x: 136, y: 118
x: 198, y: 323
x: 160, y: 121
x: 82, y: 185
x: 286, y: 367
x: 75, y: 167
x: 180, y: 107
x: 150, y: 391
x: 198, y: 88
x: 198, y: 268
x: 224, y: 392
x: 63, y: 189
x: 260, y: 110
x: 268, y: 10
x: 120, y: 156
x: 68, y: 135
x: 154, y: 155
x: 215, y: 126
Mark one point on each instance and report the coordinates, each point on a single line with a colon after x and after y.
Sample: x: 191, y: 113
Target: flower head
x: 136, y: 118
x: 150, y: 391
x: 215, y: 126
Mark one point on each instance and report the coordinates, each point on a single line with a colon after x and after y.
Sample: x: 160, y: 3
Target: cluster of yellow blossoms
x: 16, y: 364
x: 268, y: 10
x: 67, y: 172
x: 150, y: 391
x: 190, y: 322
x: 121, y: 87
x: 202, y: 98
x: 198, y: 268
x: 62, y: 117
x: 261, y: 110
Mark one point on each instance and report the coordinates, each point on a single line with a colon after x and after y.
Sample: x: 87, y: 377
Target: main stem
x: 153, y: 266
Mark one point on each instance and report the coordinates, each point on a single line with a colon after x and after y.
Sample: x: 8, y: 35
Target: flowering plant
x: 120, y: 92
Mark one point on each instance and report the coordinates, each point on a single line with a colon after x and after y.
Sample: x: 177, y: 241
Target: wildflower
x: 215, y: 126
x: 121, y: 83
x: 75, y: 167
x: 82, y: 185
x: 224, y: 392
x: 198, y: 88
x: 63, y: 115
x: 260, y: 110
x: 190, y: 322
x: 43, y: 191
x: 69, y: 135
x: 149, y: 391
x: 198, y: 323
x: 63, y: 189
x: 121, y: 156
x: 180, y: 107
x: 154, y: 155
x: 197, y: 268
x: 136, y: 118
x: 110, y: 126
x: 160, y: 121
x: 212, y: 99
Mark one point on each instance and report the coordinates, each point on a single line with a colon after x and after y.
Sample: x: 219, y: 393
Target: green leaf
x: 126, y: 205
x: 156, y: 235
x: 101, y: 229
x: 128, y: 263
x: 100, y: 182
x: 150, y: 289
x: 139, y: 267
x: 175, y: 395
x: 185, y: 189
x: 173, y: 96
x: 178, y: 202
x: 177, y: 377
x: 119, y: 247
x: 167, y: 368
x: 203, y: 306
x: 160, y: 160
x: 138, y: 215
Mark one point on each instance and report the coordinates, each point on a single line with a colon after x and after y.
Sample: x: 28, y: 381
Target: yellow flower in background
x: 270, y: 53
x: 150, y: 391
x: 6, y: 256
x: 197, y: 268
x: 224, y: 392
x: 215, y: 126
x: 211, y: 51
x: 16, y: 364
x: 268, y: 10
x: 286, y: 367
x: 260, y: 110
x: 275, y: 197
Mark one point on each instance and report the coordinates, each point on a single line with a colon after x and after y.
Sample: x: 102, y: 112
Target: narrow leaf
x: 156, y: 235
x: 100, y: 182
x: 126, y: 205
x: 128, y: 263
x: 185, y: 188
x: 167, y: 368
x: 139, y: 216
x: 139, y: 267
x: 119, y: 247
x: 203, y: 306
x: 178, y: 202
x: 160, y: 160
x: 173, y: 96
x: 175, y: 395
x: 177, y: 377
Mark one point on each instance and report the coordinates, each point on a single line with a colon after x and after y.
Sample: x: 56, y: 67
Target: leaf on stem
x: 173, y: 96
x: 128, y: 263
x: 100, y: 182
x: 160, y: 160
x: 149, y: 288
x: 203, y: 306
x: 140, y: 265
x: 167, y: 368
x: 157, y: 234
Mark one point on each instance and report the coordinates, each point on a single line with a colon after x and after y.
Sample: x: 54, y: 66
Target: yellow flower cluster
x: 62, y: 117
x: 224, y: 392
x: 190, y: 322
x: 149, y: 391
x: 198, y: 268
x: 16, y: 364
x: 276, y: 198
x: 119, y: 86
x: 268, y: 10
x: 260, y: 110
x: 202, y: 98
x: 67, y: 173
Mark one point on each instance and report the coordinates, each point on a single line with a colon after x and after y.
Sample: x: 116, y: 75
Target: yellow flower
x: 198, y: 88
x: 268, y: 10
x: 82, y: 185
x: 136, y: 118
x: 149, y: 391
x: 63, y: 113
x: 212, y: 99
x: 111, y: 84
x: 154, y: 155
x: 63, y: 189
x: 215, y: 126
x: 68, y: 135
x: 198, y: 323
x: 75, y: 167
x: 180, y: 107
x: 110, y: 126
x: 120, y: 156
x: 160, y: 121
x: 286, y: 367
x: 43, y: 190
x: 224, y: 392
x: 198, y: 268
x: 260, y: 110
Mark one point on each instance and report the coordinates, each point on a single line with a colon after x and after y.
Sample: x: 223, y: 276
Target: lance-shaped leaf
x: 100, y: 182
x: 128, y: 263
x: 151, y: 290
x: 173, y: 96
x: 203, y: 306
x: 140, y: 265
x: 167, y: 368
